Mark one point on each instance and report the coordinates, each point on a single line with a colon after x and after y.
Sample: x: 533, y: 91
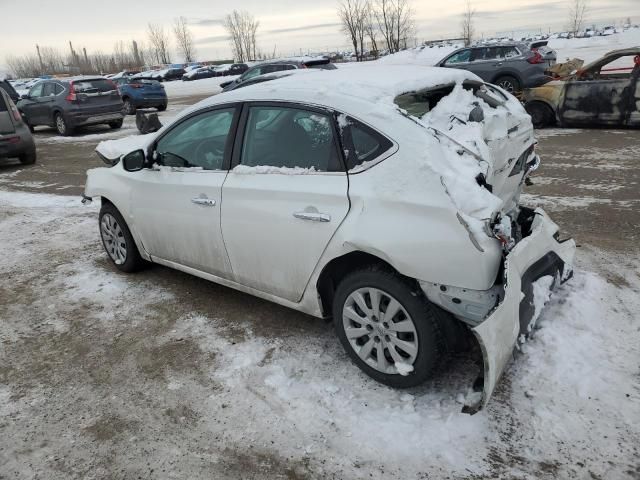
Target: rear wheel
x: 128, y: 108
x: 116, y: 124
x: 61, y: 125
x: 508, y: 83
x: 118, y: 241
x: 162, y: 108
x: 388, y: 329
x: 541, y: 114
x: 28, y: 158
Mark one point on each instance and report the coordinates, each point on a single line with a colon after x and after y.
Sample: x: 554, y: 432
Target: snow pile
x: 205, y: 86
x: 592, y: 48
x: 424, y: 55
x: 246, y: 170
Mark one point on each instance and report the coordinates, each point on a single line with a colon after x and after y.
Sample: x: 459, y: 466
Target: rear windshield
x: 93, y: 86
x: 419, y: 103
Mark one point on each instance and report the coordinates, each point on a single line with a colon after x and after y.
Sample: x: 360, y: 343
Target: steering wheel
x: 209, y: 146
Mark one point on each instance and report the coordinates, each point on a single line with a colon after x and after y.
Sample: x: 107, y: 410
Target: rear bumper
x: 149, y: 102
x: 535, y: 256
x: 16, y: 144
x: 79, y: 119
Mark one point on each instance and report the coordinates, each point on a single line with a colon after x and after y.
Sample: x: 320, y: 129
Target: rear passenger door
x: 285, y: 198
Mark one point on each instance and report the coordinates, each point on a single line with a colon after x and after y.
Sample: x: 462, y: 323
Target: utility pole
x: 40, y: 58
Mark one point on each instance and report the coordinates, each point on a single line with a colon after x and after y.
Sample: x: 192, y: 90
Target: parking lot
x: 164, y: 375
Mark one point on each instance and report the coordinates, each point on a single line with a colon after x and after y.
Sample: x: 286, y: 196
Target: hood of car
x: 114, y: 150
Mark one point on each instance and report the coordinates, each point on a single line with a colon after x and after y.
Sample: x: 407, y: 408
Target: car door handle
x: 207, y: 202
x: 497, y: 64
x: 313, y: 216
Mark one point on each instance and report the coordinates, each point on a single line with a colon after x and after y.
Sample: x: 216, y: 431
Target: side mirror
x: 25, y: 96
x: 134, y: 161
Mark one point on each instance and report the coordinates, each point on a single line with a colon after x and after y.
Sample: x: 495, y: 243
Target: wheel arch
x: 136, y: 238
x: 337, y: 268
x: 508, y: 73
x: 546, y: 104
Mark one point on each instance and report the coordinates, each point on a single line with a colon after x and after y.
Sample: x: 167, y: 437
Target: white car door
x: 285, y: 199
x: 176, y: 203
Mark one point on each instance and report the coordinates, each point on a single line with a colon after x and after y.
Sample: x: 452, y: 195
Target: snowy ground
x: 162, y: 375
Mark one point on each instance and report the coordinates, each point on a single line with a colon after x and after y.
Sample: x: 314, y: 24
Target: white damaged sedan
x: 386, y: 198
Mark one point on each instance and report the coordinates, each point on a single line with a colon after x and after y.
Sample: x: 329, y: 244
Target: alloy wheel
x: 379, y: 330
x: 113, y: 238
x: 61, y: 126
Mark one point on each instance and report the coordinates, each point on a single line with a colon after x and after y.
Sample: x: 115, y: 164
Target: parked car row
x: 216, y: 71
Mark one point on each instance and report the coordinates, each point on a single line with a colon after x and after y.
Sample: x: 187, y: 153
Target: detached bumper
x: 535, y: 256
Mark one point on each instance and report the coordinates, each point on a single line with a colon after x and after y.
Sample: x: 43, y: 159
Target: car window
x: 93, y: 86
x: 57, y: 88
x: 364, y: 143
x: 48, y: 89
x: 510, y: 52
x: 199, y: 141
x: 289, y: 137
x: 36, y: 90
x: 252, y: 73
x: 461, y: 57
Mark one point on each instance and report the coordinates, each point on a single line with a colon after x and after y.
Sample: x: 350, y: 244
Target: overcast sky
x: 285, y: 25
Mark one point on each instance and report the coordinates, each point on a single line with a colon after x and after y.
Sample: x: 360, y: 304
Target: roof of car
x: 354, y: 90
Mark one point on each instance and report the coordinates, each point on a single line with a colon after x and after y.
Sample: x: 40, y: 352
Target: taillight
x: 72, y: 94
x: 536, y: 59
x: 14, y: 111
x: 136, y: 85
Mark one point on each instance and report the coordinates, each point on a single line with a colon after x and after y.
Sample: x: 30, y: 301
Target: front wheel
x: 509, y: 83
x: 116, y: 124
x: 118, y: 241
x: 128, y: 108
x: 541, y: 115
x: 387, y: 328
x: 162, y: 108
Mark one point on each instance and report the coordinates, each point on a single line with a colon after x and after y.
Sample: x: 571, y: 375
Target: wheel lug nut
x: 386, y: 338
x: 376, y: 339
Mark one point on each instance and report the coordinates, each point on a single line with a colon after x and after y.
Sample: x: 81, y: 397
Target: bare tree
x: 395, y: 22
x: 468, y: 28
x: 371, y: 28
x: 578, y: 10
x: 352, y: 14
x: 184, y: 39
x: 242, y: 28
x: 159, y: 43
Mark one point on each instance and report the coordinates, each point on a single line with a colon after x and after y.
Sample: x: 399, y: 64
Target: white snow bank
x: 425, y: 56
x: 592, y: 48
x: 205, y: 86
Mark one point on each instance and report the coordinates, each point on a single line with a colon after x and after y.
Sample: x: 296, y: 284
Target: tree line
x: 131, y: 55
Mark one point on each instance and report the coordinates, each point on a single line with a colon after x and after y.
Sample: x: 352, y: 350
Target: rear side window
x: 97, y: 85
x: 363, y: 144
x: 509, y: 52
x: 290, y: 137
x: 57, y: 88
x: 49, y: 89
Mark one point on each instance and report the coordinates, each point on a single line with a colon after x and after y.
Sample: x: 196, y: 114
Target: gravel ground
x: 164, y: 375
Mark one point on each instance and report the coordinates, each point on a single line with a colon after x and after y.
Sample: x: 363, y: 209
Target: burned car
x: 605, y: 92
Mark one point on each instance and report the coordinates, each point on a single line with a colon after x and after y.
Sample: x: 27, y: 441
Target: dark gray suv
x: 72, y: 102
x: 15, y: 138
x: 510, y: 66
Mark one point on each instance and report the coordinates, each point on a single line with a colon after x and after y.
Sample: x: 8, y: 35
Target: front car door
x: 31, y: 106
x: 601, y: 94
x: 285, y: 199
x: 176, y: 203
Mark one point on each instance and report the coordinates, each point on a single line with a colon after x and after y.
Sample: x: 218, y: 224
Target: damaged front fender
x: 498, y: 334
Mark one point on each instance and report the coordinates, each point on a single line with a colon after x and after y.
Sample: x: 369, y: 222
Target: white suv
x: 386, y: 198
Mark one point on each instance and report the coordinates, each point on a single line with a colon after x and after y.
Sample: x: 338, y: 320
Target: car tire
x: 61, y: 125
x: 116, y: 124
x: 412, y: 332
x: 541, y: 115
x: 128, y: 108
x: 162, y: 108
x: 117, y: 240
x: 28, y: 158
x: 508, y: 83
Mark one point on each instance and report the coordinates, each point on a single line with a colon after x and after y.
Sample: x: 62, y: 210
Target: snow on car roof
x: 331, y: 88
